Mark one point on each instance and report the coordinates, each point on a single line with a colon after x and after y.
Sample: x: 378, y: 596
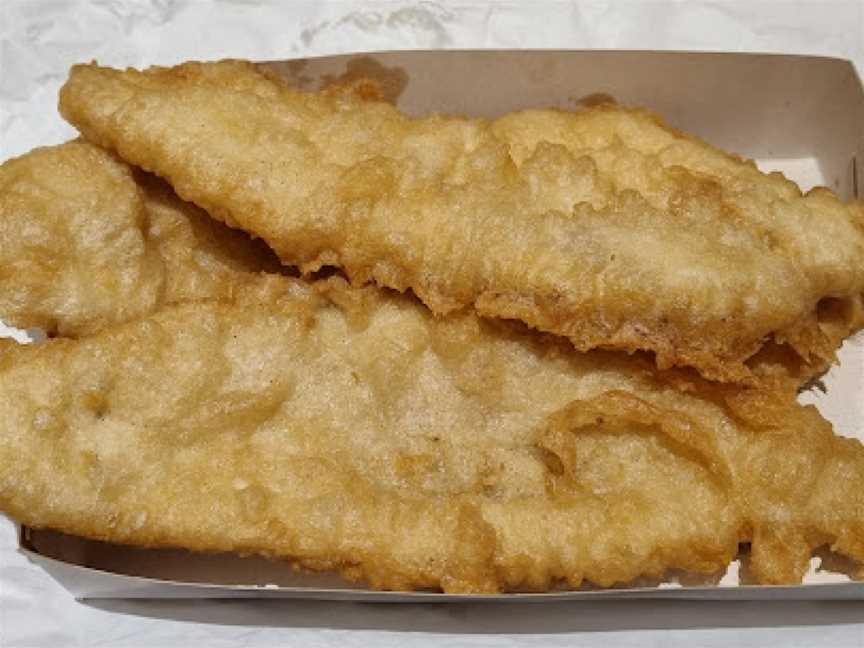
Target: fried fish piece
x: 602, y: 225
x: 86, y: 242
x: 350, y: 429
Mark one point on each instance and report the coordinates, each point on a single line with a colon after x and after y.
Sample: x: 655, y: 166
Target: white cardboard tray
x: 798, y: 114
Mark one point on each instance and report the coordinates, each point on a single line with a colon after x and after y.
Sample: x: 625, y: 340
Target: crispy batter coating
x: 602, y: 225
x: 85, y: 242
x: 350, y: 429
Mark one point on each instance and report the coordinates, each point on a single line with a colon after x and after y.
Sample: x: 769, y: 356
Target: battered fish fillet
x: 603, y: 225
x: 85, y: 243
x: 350, y: 429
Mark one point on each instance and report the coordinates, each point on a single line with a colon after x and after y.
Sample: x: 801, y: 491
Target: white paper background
x: 40, y: 39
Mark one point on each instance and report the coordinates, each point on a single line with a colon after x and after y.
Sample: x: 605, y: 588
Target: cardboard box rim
x: 126, y: 586
x: 88, y: 582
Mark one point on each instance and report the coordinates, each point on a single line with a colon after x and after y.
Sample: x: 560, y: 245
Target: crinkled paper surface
x: 40, y: 39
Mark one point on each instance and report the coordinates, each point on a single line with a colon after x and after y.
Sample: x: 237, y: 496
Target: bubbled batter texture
x: 350, y: 429
x: 603, y: 225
